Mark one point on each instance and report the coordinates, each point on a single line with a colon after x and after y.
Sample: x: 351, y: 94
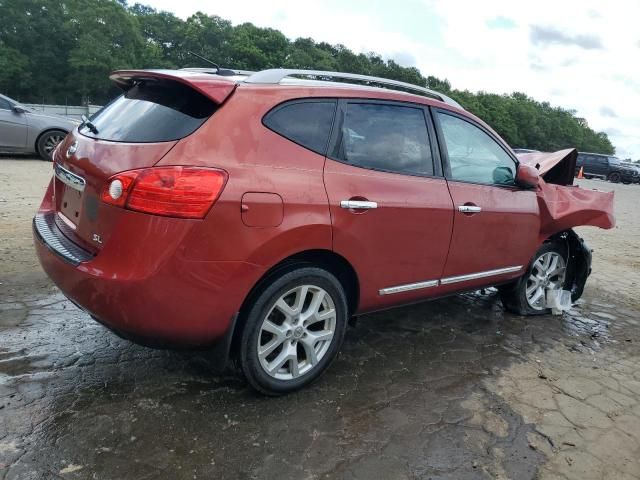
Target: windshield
x: 151, y: 111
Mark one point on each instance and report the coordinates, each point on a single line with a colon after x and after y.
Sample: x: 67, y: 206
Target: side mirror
x: 503, y: 176
x: 527, y: 176
x: 18, y: 109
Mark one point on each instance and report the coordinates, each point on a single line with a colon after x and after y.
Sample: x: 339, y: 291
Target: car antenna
x: 219, y: 71
x: 203, y: 58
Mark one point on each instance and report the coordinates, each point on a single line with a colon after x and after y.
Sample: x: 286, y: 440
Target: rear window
x: 152, y: 111
x: 307, y: 123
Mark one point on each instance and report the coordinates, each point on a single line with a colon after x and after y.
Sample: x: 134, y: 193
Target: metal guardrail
x: 71, y: 111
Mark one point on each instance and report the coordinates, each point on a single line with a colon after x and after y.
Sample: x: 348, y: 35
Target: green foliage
x: 526, y: 123
x: 57, y: 52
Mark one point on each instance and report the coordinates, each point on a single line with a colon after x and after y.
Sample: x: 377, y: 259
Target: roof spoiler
x: 214, y: 87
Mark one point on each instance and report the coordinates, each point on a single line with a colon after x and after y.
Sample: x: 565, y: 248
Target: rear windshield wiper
x: 87, y: 123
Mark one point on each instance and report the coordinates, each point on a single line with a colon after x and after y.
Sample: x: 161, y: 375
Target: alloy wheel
x: 51, y: 143
x: 297, y: 332
x: 548, y: 272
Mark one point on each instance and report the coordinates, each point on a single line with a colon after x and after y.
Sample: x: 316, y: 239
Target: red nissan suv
x: 255, y: 213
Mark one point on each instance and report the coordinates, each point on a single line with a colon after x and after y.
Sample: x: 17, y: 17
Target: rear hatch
x: 134, y: 131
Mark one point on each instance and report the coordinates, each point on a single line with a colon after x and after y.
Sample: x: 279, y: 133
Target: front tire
x: 293, y: 331
x: 615, y: 177
x: 527, y: 296
x: 48, y: 142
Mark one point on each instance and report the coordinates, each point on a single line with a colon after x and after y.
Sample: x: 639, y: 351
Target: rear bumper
x: 47, y: 232
x: 145, y: 289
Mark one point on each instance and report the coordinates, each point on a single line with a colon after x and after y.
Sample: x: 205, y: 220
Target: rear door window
x: 152, y: 111
x: 305, y: 122
x: 391, y: 138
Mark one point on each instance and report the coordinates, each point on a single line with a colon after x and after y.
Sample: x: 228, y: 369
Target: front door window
x: 473, y: 155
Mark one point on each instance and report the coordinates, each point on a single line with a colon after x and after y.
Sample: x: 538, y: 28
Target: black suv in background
x: 607, y: 167
x: 633, y: 166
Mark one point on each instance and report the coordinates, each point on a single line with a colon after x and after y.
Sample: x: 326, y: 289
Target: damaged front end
x: 578, y: 262
x: 563, y: 206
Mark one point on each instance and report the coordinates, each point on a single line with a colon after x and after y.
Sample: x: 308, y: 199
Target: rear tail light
x: 184, y: 192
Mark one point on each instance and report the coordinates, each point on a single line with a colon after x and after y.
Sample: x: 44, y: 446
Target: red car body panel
x: 145, y: 284
x: 96, y: 161
x: 503, y: 234
x: 415, y: 215
x: 257, y: 160
x: 184, y: 281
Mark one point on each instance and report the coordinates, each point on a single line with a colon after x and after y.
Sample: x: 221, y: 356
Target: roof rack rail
x: 276, y: 75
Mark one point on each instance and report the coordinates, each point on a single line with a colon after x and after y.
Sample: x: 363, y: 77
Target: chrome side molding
x: 408, y: 287
x: 448, y: 280
x: 69, y: 178
x: 475, y: 276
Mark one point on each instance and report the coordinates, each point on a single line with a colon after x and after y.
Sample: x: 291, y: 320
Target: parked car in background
x: 259, y: 212
x: 633, y: 166
x: 23, y: 130
x: 597, y: 165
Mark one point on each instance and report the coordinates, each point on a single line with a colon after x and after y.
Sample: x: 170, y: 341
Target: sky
x: 582, y: 54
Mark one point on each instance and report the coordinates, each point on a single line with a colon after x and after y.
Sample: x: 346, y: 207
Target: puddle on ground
x: 404, y: 399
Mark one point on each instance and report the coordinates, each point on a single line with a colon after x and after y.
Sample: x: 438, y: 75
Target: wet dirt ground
x: 454, y: 388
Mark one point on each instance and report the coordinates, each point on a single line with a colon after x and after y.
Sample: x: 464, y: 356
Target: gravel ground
x: 22, y: 186
x: 455, y: 388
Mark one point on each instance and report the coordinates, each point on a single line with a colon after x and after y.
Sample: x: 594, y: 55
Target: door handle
x: 358, y: 205
x: 469, y: 209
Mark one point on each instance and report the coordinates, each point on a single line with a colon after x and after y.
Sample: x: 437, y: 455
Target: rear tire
x: 614, y: 177
x: 48, y: 142
x: 526, y: 296
x: 293, y: 331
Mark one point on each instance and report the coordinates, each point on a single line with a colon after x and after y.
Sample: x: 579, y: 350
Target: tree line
x: 54, y: 51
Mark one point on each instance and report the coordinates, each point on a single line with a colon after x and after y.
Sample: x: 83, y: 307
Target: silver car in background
x: 23, y: 130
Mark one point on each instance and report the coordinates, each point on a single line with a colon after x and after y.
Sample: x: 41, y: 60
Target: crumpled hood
x: 555, y: 167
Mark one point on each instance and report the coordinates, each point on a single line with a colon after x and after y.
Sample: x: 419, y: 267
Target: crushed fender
x: 563, y: 205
